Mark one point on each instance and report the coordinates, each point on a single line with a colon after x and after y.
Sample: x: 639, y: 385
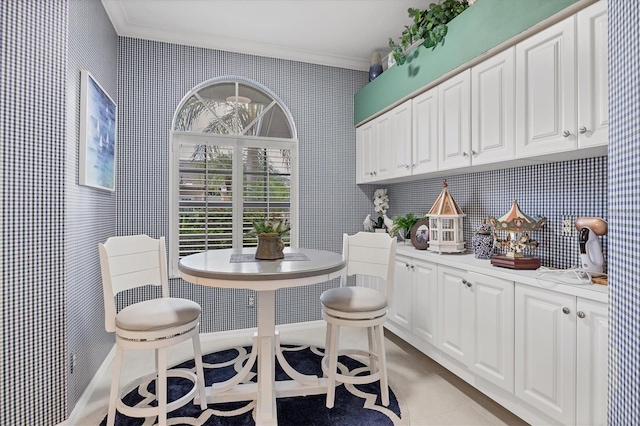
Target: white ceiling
x: 340, y: 33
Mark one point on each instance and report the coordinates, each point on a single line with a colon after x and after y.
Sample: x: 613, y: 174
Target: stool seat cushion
x: 353, y: 299
x: 157, y: 314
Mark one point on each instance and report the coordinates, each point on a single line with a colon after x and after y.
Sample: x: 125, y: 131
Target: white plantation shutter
x: 266, y: 188
x: 205, y: 209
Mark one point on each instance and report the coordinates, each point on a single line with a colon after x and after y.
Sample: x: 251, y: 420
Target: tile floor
x: 430, y: 393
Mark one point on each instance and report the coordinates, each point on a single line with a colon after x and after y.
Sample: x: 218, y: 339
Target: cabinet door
x: 493, y: 349
x: 454, y: 101
x: 424, y: 318
x: 545, y: 91
x: 593, y: 105
x: 401, y: 144
x: 455, y: 313
x: 592, y: 350
x: 400, y: 306
x: 383, y: 142
x: 545, y: 347
x: 493, y: 109
x: 425, y: 132
x: 365, y: 149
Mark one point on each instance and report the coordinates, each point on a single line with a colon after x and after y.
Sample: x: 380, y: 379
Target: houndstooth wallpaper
x: 624, y: 211
x: 33, y: 43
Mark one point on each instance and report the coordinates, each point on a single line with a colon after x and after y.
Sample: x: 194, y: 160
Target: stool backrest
x: 128, y: 262
x: 371, y: 254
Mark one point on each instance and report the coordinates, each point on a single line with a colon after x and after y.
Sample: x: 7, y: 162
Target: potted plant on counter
x: 404, y: 223
x: 270, y: 233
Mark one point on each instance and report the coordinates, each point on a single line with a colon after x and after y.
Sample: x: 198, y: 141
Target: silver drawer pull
x: 566, y: 310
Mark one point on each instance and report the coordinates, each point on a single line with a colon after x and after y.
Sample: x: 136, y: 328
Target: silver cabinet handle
x: 465, y: 282
x: 475, y: 154
x: 375, y: 173
x: 413, y: 166
x: 406, y: 166
x: 582, y: 130
x: 566, y: 133
x: 566, y: 310
x: 406, y: 265
x: 581, y: 314
x: 464, y: 154
x: 413, y: 266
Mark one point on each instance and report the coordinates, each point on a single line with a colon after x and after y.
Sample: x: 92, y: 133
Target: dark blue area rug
x: 355, y: 405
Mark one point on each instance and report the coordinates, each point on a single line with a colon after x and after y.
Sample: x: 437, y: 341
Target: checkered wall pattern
x: 90, y: 213
x: 33, y: 43
x: 557, y: 191
x: 624, y: 212
x: 153, y: 78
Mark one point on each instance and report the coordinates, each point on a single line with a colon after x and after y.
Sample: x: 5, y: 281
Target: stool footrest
x: 149, y: 411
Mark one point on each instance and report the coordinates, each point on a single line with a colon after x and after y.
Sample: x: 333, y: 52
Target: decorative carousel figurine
x: 516, y: 228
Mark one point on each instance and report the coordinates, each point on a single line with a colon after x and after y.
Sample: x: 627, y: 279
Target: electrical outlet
x: 251, y: 302
x: 568, y: 228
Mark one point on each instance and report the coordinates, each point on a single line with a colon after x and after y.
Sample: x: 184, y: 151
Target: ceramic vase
x: 482, y: 242
x: 270, y: 248
x: 376, y: 66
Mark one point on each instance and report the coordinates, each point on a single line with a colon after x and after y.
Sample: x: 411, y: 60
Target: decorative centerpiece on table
x: 270, y: 233
x: 383, y: 223
x: 512, y: 233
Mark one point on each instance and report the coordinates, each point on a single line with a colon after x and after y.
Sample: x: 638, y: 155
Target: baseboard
x: 93, y: 384
x: 91, y: 387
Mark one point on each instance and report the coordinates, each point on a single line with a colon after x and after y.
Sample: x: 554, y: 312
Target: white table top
x: 214, y: 268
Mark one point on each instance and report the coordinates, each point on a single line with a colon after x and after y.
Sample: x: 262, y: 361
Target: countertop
x: 467, y: 261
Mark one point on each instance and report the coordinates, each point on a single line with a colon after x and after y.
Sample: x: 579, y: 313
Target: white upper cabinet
x: 593, y: 105
x: 365, y: 140
x: 425, y: 132
x: 546, y: 91
x: 493, y: 109
x: 561, y: 107
x: 543, y: 99
x: 383, y: 147
x: 401, y: 125
x: 454, y: 129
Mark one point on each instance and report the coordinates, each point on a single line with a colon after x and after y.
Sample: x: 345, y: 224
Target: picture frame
x: 98, y: 133
x: 420, y: 234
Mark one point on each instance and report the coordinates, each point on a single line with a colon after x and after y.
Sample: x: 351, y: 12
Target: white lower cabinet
x: 561, y: 355
x: 592, y: 344
x: 475, y: 323
x: 414, y: 301
x: 539, y: 352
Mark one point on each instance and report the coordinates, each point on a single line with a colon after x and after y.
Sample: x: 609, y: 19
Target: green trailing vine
x: 429, y: 25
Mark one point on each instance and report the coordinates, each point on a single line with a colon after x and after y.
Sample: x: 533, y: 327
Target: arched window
x: 234, y: 159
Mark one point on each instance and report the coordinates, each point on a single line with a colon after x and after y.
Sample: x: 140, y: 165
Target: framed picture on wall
x: 98, y: 114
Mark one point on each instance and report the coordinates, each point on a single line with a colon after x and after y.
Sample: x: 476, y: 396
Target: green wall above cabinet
x: 481, y: 27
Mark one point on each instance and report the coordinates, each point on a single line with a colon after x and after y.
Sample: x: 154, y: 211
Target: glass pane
x: 447, y: 235
x: 447, y: 223
x: 434, y: 223
x: 227, y: 108
x: 205, y: 210
x: 267, y: 188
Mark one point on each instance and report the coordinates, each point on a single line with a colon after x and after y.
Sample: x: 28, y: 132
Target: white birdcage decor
x: 445, y: 224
